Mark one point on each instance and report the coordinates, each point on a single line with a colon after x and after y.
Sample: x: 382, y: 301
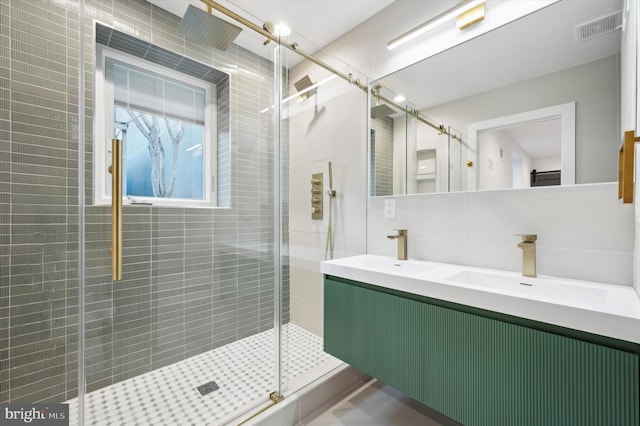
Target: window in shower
x: 167, y: 122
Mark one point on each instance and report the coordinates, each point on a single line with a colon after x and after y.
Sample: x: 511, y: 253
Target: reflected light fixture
x: 281, y: 29
x: 399, y: 98
x: 475, y: 9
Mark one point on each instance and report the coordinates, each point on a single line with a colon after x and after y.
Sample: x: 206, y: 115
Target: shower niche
x: 426, y: 169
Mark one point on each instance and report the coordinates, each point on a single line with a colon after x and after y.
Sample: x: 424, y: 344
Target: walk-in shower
x: 200, y: 329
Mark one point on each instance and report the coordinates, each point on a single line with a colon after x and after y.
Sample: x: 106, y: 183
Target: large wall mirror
x: 535, y: 102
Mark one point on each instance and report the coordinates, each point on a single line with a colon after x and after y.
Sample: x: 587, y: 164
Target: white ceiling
x: 540, y: 139
x: 318, y: 21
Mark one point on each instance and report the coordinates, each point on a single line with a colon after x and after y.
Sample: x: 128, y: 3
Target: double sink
x: 605, y: 309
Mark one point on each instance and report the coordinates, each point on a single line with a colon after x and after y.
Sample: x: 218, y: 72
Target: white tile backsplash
x: 583, y: 231
x: 581, y: 217
x: 590, y: 265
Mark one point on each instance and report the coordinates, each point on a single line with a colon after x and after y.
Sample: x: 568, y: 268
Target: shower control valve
x: 316, y: 196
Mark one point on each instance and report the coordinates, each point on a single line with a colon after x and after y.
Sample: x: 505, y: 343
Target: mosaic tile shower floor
x: 169, y: 396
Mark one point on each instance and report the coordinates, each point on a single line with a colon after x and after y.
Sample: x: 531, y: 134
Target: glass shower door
x: 459, y: 166
x: 38, y: 204
x: 322, y: 116
x: 187, y: 335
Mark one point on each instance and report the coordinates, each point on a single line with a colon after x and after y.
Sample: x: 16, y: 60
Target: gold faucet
x: 528, y: 246
x: 402, y: 243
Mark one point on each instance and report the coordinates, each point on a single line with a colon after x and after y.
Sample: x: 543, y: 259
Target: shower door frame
x: 276, y: 395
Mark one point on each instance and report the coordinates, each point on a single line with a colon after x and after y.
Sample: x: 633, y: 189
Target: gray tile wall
x: 38, y: 175
x: 194, y: 279
x: 381, y: 168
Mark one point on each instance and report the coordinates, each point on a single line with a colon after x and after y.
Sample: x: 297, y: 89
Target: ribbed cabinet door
x: 477, y: 370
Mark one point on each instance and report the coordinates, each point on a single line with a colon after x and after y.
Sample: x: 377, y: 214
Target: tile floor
x: 243, y: 370
x: 376, y: 404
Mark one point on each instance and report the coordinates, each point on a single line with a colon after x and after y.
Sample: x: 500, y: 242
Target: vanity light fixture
x: 470, y: 17
x: 460, y: 11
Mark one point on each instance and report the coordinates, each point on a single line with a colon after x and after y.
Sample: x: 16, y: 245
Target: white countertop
x: 599, y: 308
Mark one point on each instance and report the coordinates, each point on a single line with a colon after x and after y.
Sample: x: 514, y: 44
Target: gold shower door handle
x: 116, y: 209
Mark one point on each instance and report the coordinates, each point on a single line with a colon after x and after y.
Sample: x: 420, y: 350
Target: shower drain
x: 208, y: 388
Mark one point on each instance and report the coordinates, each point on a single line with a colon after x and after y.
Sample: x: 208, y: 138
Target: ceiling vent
x: 599, y: 26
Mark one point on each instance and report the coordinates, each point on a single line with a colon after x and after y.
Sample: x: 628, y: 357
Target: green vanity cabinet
x: 478, y: 367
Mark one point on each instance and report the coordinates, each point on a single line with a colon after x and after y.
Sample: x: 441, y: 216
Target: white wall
x: 331, y: 132
x: 495, y: 160
x: 594, y: 87
x: 583, y: 232
x: 546, y: 163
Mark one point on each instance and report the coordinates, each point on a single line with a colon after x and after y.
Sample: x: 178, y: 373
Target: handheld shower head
x: 204, y: 28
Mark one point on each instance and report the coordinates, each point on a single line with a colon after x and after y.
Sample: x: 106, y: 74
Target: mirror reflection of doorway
x: 537, y: 145
x: 520, y: 155
x: 518, y: 170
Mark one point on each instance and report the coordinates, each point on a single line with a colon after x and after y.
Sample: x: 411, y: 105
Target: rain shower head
x: 204, y: 28
x: 380, y: 111
x: 304, y: 83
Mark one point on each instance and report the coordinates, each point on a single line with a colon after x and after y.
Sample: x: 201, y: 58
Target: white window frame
x: 103, y: 126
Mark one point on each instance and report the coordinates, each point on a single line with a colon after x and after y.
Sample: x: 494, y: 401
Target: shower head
x: 304, y: 83
x: 381, y: 111
x: 204, y: 28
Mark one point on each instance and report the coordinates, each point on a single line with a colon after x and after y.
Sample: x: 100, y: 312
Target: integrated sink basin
x: 386, y: 264
x: 598, y: 308
x: 554, y: 290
